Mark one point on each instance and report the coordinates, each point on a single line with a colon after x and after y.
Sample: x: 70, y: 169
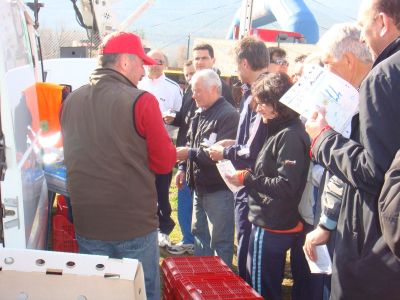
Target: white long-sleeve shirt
x: 168, y: 94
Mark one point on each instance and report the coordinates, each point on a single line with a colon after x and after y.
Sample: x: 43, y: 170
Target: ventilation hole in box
x: 111, y: 275
x: 8, y: 260
x: 40, y: 262
x: 70, y: 264
x: 99, y: 267
x: 54, y: 272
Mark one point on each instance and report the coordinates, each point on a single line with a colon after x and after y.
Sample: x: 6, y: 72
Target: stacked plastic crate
x: 203, y: 277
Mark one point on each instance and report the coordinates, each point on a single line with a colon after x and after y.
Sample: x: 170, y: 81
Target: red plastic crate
x: 188, y: 265
x: 63, y: 235
x: 227, y: 287
x: 175, y: 267
x: 168, y: 295
x: 62, y: 207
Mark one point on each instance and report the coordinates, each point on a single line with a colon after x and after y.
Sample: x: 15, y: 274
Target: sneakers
x: 163, y: 240
x: 181, y: 248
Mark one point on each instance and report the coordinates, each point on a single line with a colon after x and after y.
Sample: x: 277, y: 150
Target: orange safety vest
x: 44, y: 103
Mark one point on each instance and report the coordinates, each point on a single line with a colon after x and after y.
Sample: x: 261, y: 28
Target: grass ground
x: 176, y: 236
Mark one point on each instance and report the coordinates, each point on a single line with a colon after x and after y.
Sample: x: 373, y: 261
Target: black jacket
x: 222, y: 119
x: 389, y: 207
x: 183, y: 117
x: 279, y: 177
x: 364, y: 267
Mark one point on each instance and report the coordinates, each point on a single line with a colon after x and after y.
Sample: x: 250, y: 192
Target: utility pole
x: 246, y: 18
x: 35, y: 7
x: 188, y: 46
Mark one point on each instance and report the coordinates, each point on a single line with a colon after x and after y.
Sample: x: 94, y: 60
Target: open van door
x: 24, y: 200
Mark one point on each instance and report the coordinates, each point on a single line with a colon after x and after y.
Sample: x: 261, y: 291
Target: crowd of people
x: 300, y: 183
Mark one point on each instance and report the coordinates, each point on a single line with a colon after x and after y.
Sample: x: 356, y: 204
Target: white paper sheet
x: 168, y: 113
x: 320, y: 88
x: 225, y: 167
x: 323, y: 264
x: 210, y: 141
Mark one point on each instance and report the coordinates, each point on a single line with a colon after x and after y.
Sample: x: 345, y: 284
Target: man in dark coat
x: 215, y: 120
x: 364, y: 267
x: 203, y: 59
x: 389, y: 207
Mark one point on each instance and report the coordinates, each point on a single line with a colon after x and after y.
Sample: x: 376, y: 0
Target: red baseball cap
x: 125, y: 42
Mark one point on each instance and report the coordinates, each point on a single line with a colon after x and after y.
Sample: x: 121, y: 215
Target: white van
x: 24, y: 199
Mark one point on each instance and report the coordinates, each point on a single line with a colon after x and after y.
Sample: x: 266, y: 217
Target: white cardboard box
x: 40, y: 275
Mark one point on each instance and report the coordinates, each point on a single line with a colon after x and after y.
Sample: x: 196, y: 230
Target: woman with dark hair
x: 275, y: 187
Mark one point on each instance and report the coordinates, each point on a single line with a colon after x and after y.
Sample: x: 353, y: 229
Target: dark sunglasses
x: 281, y: 62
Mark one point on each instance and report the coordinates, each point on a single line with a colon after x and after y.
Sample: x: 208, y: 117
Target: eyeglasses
x: 259, y: 104
x: 159, y: 61
x: 281, y: 62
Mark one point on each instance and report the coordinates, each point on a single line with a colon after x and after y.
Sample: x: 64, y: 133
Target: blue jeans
x: 213, y: 225
x: 185, y: 209
x: 145, y: 249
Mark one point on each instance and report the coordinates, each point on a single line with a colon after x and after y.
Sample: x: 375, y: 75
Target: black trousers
x: 163, y: 181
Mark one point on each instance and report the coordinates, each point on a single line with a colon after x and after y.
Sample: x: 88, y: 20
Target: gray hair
x: 210, y: 79
x: 342, y: 38
x: 110, y: 60
x: 107, y: 60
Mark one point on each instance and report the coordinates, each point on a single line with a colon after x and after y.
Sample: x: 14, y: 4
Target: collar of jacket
x: 216, y: 104
x: 277, y: 125
x: 392, y: 48
x: 108, y: 73
x: 188, y: 92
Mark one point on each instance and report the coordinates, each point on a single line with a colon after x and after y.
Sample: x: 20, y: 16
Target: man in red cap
x: 112, y: 132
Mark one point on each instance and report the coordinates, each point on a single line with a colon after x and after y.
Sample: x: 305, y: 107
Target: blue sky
x: 169, y: 22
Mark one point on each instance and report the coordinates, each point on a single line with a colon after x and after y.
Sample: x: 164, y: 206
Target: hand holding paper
x: 316, y: 123
x: 169, y: 113
x: 314, y: 238
x: 320, y: 88
x: 234, y: 179
x: 323, y: 264
x: 216, y: 152
x: 228, y: 172
x: 168, y: 119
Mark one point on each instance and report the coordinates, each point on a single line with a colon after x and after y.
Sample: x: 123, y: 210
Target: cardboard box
x: 41, y: 275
